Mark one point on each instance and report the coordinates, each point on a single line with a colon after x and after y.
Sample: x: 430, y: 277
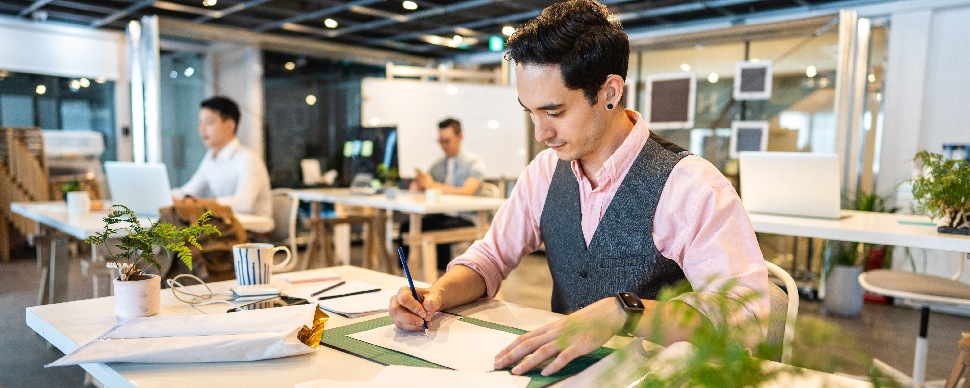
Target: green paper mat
x: 337, y: 338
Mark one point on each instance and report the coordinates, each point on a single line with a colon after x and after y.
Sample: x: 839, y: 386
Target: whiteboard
x: 493, y: 123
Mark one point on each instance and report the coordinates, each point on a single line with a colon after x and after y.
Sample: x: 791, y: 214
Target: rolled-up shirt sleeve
x: 701, y: 224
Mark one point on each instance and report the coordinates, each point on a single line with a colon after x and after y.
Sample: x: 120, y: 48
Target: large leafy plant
x: 137, y: 244
x: 943, y: 190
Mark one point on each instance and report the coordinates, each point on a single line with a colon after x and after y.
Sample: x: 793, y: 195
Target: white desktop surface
x: 413, y: 204
x: 54, y: 215
x: 864, y: 227
x: 70, y: 325
x: 405, y: 202
x: 57, y: 227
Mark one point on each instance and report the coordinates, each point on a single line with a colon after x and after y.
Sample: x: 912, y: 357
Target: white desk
x: 415, y: 206
x: 56, y: 228
x: 865, y: 227
x: 70, y: 325
x: 872, y: 228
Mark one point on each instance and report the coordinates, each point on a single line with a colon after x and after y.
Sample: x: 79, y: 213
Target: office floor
x: 884, y: 332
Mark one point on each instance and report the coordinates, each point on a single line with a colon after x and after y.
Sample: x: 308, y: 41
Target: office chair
x: 924, y: 291
x: 286, y: 229
x: 490, y: 190
x: 962, y: 365
x: 312, y: 175
x: 781, y: 328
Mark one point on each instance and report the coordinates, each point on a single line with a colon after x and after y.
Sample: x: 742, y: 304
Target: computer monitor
x: 368, y: 147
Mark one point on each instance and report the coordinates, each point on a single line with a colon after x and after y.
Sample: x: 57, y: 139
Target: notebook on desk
x: 791, y: 183
x: 143, y: 188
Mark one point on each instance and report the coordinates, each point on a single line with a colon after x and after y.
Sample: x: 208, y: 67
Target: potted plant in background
x: 138, y: 294
x: 943, y: 191
x: 389, y: 179
x: 845, y: 260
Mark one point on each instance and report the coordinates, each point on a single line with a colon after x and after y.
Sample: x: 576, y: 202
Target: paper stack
x: 352, y: 299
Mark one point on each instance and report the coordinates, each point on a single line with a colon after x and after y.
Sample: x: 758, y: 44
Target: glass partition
x: 59, y: 103
x: 801, y: 110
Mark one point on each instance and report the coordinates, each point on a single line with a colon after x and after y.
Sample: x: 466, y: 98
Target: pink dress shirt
x: 699, y: 223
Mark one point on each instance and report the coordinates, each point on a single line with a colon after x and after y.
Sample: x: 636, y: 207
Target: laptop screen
x: 143, y: 188
x: 791, y: 183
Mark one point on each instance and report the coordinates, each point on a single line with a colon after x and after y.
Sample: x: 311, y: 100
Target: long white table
x: 413, y: 204
x: 70, y: 325
x: 57, y: 228
x: 903, y: 230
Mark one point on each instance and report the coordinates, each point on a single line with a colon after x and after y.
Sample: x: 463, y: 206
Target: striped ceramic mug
x: 254, y: 262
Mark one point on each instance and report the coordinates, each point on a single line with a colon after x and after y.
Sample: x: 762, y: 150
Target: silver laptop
x: 361, y: 184
x: 791, y: 183
x: 144, y: 188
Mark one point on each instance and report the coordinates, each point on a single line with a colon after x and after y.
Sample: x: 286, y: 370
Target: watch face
x: 630, y: 301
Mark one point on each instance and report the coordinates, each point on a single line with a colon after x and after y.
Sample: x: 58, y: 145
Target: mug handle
x: 287, y: 260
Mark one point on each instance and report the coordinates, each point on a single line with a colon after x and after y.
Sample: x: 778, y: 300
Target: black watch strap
x: 634, y: 310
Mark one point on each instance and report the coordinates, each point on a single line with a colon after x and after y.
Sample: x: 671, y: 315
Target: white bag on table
x: 240, y: 336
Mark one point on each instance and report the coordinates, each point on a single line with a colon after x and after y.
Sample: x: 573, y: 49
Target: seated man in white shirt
x: 230, y: 173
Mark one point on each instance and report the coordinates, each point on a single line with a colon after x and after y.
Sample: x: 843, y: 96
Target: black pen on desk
x: 407, y: 273
x: 329, y: 288
x: 348, y: 294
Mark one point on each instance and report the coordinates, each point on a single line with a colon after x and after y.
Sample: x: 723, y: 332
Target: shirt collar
x: 228, y: 150
x: 621, y: 160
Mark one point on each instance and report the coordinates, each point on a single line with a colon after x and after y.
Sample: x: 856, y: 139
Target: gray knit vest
x: 621, y: 255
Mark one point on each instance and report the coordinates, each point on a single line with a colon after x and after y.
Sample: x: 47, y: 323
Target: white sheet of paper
x: 355, y: 305
x: 349, y: 306
x: 452, y: 343
x: 393, y: 375
x: 312, y: 276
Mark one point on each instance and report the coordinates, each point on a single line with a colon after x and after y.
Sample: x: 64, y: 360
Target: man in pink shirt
x: 622, y: 212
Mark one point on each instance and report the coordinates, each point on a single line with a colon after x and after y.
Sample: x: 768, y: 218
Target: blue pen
x: 407, y: 273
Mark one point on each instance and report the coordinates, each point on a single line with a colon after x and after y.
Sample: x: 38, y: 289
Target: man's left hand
x: 575, y: 335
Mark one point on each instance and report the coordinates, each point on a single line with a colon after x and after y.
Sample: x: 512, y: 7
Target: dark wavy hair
x: 451, y: 122
x: 581, y: 37
x: 225, y: 107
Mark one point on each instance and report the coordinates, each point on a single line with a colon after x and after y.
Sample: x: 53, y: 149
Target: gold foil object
x: 310, y: 336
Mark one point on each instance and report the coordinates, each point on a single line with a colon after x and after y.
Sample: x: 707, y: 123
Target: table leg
x: 316, y: 235
x: 57, y: 291
x: 429, y: 270
x: 380, y: 248
x: 43, y: 244
x: 482, y: 223
x: 430, y: 250
x: 341, y: 243
x: 389, y: 235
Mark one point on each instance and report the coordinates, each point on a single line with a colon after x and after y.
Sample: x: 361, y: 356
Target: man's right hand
x: 410, y: 314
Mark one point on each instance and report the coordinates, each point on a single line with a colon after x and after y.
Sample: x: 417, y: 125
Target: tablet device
x: 280, y: 301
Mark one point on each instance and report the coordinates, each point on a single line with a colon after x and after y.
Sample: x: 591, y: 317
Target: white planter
x: 843, y: 293
x: 139, y: 298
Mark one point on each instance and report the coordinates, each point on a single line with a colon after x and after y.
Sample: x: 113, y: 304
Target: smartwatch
x: 634, y: 310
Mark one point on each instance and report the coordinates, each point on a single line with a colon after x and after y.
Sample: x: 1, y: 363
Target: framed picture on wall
x: 748, y: 136
x: 752, y: 80
x: 670, y: 100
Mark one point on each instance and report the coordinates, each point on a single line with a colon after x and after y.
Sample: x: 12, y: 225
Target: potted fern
x: 138, y: 294
x: 943, y: 191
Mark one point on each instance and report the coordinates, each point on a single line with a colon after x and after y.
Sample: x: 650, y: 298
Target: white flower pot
x: 139, y: 298
x: 843, y: 293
